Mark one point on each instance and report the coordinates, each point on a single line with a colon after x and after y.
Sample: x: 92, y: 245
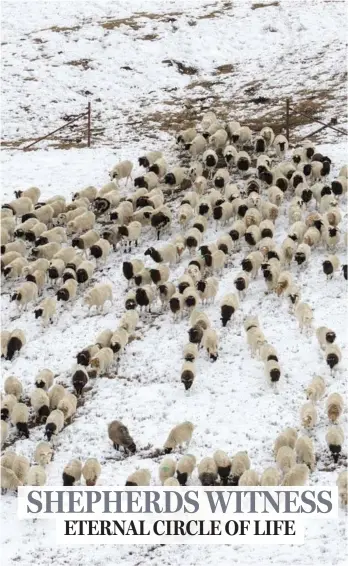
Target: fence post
x: 89, y: 125
x: 288, y: 119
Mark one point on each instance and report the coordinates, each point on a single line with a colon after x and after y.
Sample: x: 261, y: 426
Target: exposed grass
x: 58, y: 29
x: 262, y: 5
x: 84, y: 63
x: 224, y: 69
x: 133, y: 22
x: 149, y: 37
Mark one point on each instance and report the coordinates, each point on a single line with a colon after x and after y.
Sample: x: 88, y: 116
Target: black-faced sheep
x: 180, y: 435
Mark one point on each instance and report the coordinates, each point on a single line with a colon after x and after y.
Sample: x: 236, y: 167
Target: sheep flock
x: 272, y: 209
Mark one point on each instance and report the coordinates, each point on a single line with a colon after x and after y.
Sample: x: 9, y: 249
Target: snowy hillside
x: 275, y: 51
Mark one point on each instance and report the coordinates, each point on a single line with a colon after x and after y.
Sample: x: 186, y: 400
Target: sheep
x: 46, y: 309
x: 167, y: 254
x: 43, y: 214
x: 237, y: 231
x: 223, y: 212
x: 149, y: 158
x: 39, y: 278
x: 335, y: 438
x: 249, y: 478
x: 56, y: 269
x: 85, y: 271
x: 242, y: 136
x: 89, y: 193
x: 330, y: 265
x: 305, y: 451
x: 20, y: 467
x: 191, y: 298
x: 192, y: 239
x: 46, y: 251
x: 56, y: 234
x: 223, y: 464
x: 229, y: 305
x: 4, y: 432
x: 130, y: 233
x: 252, y: 263
x: 180, y: 435
x: 342, y: 484
x: 20, y: 206
x: 210, y: 343
x: 86, y: 241
x: 141, y: 477
x: 65, y: 217
x: 210, y: 159
x: 7, y: 459
x: 332, y: 217
x: 79, y: 380
x: 316, y: 389
x: 208, y: 289
x: 40, y: 402
x: 14, y: 269
x: 281, y: 145
x: 68, y: 406
x: 123, y: 213
x: 16, y: 246
x: 325, y: 336
x: 197, y: 145
x: 271, y: 272
x: 339, y: 185
x: 43, y: 453
x: 207, y: 471
x: 160, y: 218
x: 256, y: 339
x: 184, y: 468
x: 81, y: 223
x: 240, y: 463
x: 287, y: 438
x: 166, y: 469
x: 36, y: 476
x: 284, y: 282
x: 188, y: 374
x: 98, y: 295
x: 7, y: 404
x: 243, y: 161
x: 302, y: 254
x: 308, y: 414
x: 251, y: 322
x: 40, y: 264
x: 331, y: 236
x: 131, y: 268
x: 216, y: 261
x: 175, y: 177
x: 230, y: 154
x: 33, y: 193
x: 176, y: 304
x: 327, y: 202
x: 55, y: 394
x: 272, y: 370
x: 252, y: 217
x: 9, y: 480
x: 123, y: 170
x: 100, y: 249
x: 190, y: 352
x: 195, y: 268
x: 304, y: 315
x: 15, y: 343
x: 160, y: 275
x: 119, y: 341
x: 12, y: 386
x: 268, y: 352
x: 25, y: 294
x: 5, y: 336
x: 270, y: 477
x: 83, y: 358
x: 19, y: 418
x: 72, y: 472
x: 67, y: 291
x: 143, y: 277
x: 130, y: 301
x: 144, y: 297
x: 285, y: 458
x: 129, y: 321
x: 221, y: 178
x: 119, y: 435
x: 54, y: 423
x: 185, y: 214
x: 91, y: 471
x: 166, y: 292
x: 266, y: 227
x: 102, y: 360
x: 296, y: 476
x: 334, y: 406
x: 252, y: 235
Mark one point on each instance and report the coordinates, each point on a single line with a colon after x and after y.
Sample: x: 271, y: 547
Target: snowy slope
x: 230, y: 403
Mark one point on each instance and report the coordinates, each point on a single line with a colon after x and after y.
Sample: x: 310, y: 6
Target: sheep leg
x: 116, y: 446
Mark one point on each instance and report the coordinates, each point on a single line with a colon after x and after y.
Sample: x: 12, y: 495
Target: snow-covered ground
x: 231, y: 404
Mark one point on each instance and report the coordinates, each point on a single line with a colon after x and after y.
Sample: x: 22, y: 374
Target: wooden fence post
x: 288, y: 119
x: 89, y: 125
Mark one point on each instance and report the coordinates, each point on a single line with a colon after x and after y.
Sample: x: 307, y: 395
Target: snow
x: 231, y: 405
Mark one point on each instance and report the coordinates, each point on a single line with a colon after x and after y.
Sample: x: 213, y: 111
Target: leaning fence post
x: 288, y: 119
x: 89, y: 125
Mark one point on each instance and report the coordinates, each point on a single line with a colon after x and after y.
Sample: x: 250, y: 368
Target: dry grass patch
x: 149, y: 37
x: 84, y: 63
x: 224, y: 69
x: 63, y: 29
x: 262, y: 5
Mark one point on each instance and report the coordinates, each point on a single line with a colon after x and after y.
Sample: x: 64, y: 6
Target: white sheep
x: 305, y: 451
x: 25, y: 294
x: 5, y: 336
x: 272, y: 370
x: 185, y: 214
x: 68, y: 405
x: 316, y: 389
x: 207, y: 471
x: 150, y: 157
x: 304, y: 315
x: 141, y: 477
x: 81, y: 223
x: 243, y: 162
x: 102, y: 360
x: 286, y: 458
x: 40, y: 403
x: 210, y: 343
x: 252, y: 235
x: 334, y: 406
x: 122, y: 170
x: 270, y: 477
x: 47, y: 310
x: 129, y: 321
x: 43, y: 453
x: 325, y: 336
x: 240, y: 463
x: 342, y: 484
x: 13, y: 386
x: 208, y: 289
x: 287, y: 438
x: 216, y: 261
x: 296, y: 476
x: 19, y: 418
x: 249, y: 478
x: 130, y: 233
x: 7, y: 459
x: 180, y: 435
x: 198, y: 145
x: 166, y: 292
x: 166, y: 469
x: 14, y: 269
x: 68, y: 290
x: 308, y: 414
x: 184, y: 468
x: 91, y: 471
x: 175, y: 177
x: 55, y: 394
x: 160, y: 274
x: 119, y: 340
x: 98, y: 295
x: 7, y: 404
x: 85, y: 271
x: 223, y: 464
x: 20, y: 467
x: 241, y: 136
x: 20, y: 206
x: 36, y: 476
